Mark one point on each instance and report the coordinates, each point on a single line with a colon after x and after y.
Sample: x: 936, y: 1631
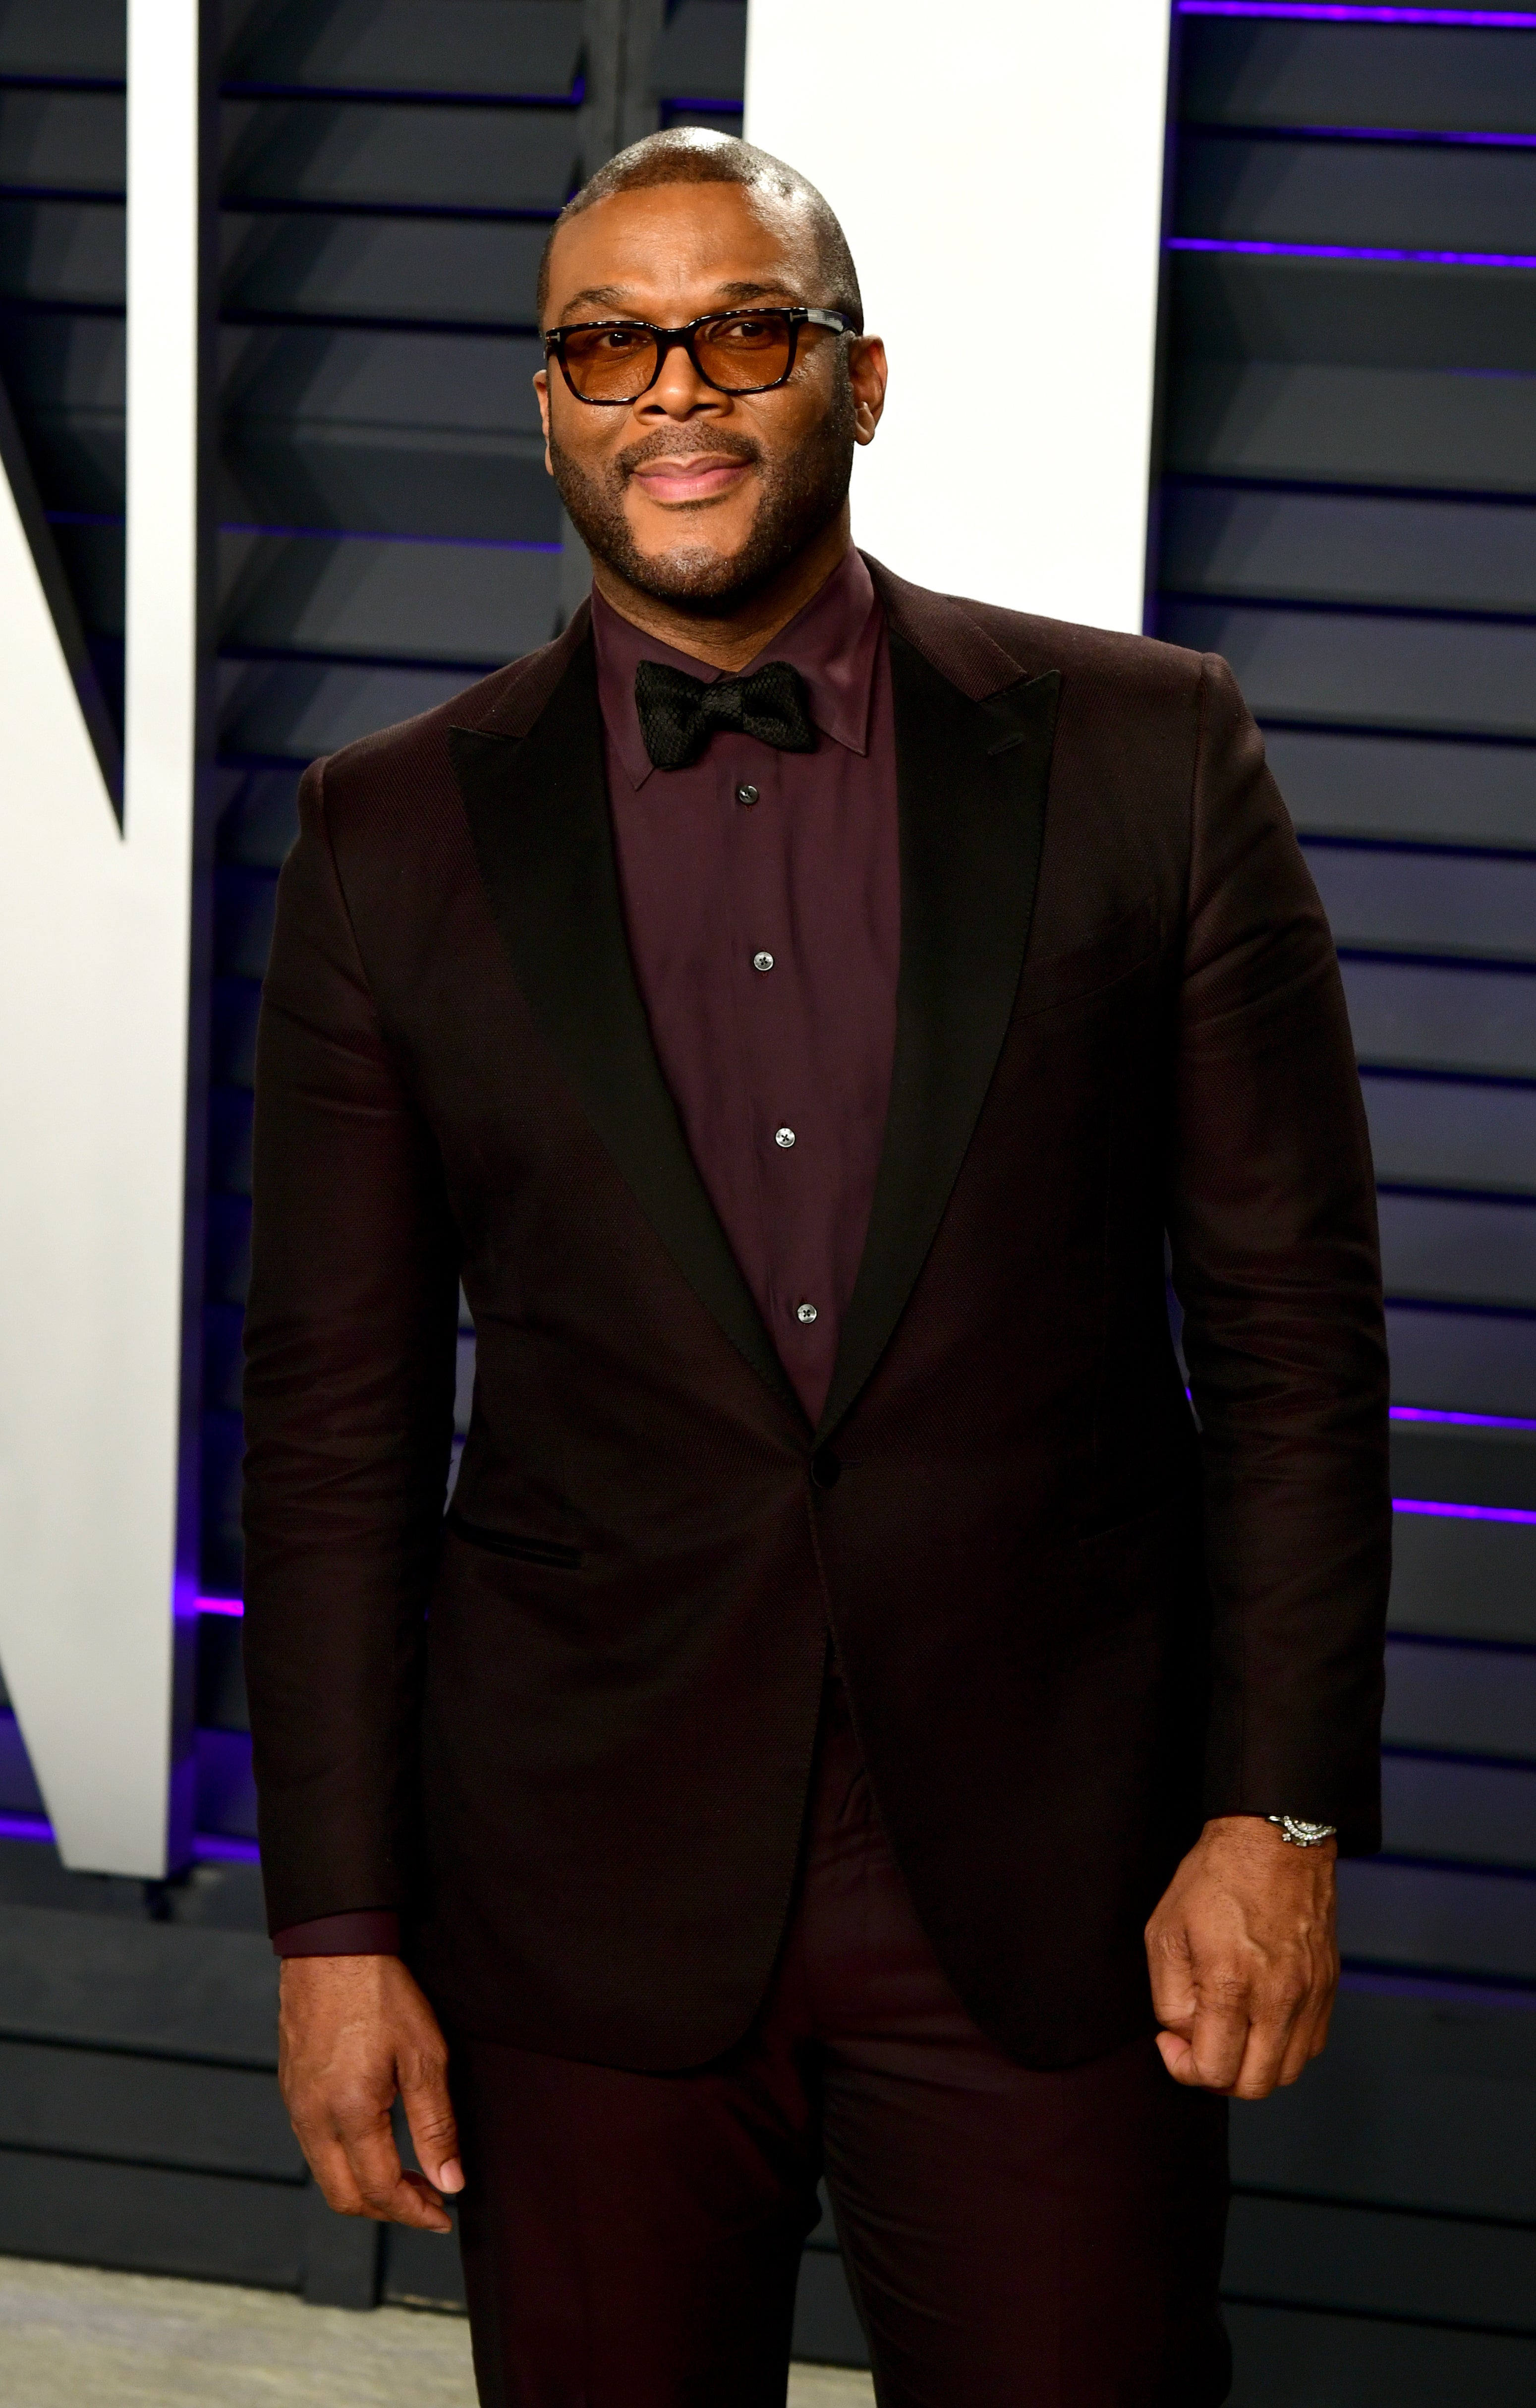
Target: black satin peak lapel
x: 537, y: 809
x: 971, y: 779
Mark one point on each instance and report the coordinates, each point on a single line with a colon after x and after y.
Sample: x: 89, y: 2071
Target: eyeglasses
x: 742, y: 351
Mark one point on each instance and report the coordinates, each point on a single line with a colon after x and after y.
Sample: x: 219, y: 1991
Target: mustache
x: 667, y: 443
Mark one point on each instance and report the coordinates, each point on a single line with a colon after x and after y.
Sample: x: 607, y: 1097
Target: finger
x: 1172, y: 1975
x: 434, y: 2132
x: 388, y: 2193
x: 1218, y: 2040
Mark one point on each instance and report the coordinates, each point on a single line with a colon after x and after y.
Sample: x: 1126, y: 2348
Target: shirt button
x: 746, y: 794
x: 785, y: 1137
x: 805, y: 1313
x: 762, y: 961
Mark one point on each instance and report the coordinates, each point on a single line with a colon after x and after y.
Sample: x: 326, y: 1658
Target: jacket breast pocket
x: 1117, y: 954
x: 548, y: 1551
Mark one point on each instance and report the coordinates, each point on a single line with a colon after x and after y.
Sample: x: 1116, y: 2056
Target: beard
x: 800, y: 494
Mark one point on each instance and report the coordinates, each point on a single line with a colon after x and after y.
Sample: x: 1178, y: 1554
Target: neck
x: 741, y: 630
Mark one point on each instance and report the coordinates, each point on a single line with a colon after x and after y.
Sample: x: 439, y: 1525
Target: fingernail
x: 452, y: 2176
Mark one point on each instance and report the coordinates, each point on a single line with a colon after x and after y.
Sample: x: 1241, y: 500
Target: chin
x: 688, y: 573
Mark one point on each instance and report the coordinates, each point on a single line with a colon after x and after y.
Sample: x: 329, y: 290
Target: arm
x: 1272, y: 1225
x: 350, y: 1340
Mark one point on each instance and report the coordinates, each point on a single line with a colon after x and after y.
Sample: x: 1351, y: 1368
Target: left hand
x: 1244, y: 1959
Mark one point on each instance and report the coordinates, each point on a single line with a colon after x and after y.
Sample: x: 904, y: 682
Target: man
x: 800, y: 1008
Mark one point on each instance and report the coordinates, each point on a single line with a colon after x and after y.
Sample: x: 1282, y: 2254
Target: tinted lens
x: 611, y: 363
x: 741, y: 354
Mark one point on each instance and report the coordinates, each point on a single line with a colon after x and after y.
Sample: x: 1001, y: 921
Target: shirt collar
x: 834, y: 642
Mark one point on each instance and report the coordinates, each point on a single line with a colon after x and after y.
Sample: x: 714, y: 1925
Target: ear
x: 867, y: 373
x: 541, y: 387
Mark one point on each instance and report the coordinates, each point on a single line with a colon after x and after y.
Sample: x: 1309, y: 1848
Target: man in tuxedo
x: 861, y: 1715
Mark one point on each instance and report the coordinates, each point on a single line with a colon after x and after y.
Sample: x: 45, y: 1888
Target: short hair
x: 694, y: 154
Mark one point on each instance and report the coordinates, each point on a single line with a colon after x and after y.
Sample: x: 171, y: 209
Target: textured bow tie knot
x: 679, y: 713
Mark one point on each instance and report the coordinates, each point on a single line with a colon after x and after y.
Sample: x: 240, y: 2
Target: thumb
x: 434, y: 2132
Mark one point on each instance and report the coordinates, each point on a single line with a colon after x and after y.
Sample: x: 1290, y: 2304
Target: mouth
x: 691, y: 477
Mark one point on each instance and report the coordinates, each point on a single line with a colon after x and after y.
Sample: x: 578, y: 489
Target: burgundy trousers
x: 1012, y: 2239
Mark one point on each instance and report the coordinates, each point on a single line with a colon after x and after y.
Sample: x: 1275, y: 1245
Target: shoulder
x: 409, y: 767
x: 982, y: 647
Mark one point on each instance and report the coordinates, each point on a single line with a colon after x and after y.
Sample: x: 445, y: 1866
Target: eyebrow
x: 616, y: 296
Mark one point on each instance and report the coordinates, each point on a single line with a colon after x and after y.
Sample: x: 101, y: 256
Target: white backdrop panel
x: 997, y: 165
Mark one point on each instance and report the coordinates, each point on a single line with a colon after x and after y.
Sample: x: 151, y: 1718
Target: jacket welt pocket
x: 1087, y: 969
x: 547, y: 1552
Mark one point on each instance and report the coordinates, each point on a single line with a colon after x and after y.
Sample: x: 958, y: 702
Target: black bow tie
x: 680, y: 713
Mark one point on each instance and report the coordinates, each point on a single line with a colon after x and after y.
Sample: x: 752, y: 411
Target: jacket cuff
x: 370, y: 1932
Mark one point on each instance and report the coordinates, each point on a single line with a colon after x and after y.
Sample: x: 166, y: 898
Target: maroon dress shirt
x: 763, y: 898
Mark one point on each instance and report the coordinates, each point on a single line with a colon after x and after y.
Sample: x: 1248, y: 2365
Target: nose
x: 680, y: 391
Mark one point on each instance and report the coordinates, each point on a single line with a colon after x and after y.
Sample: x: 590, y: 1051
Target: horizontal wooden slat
x: 1442, y: 556
x: 1462, y: 1362
x: 1293, y: 75
x: 374, y: 597
x: 509, y: 47
x: 1444, y: 1133
x: 361, y: 153
x: 1416, y: 2102
x: 701, y: 53
x: 1472, y: 1253
x: 88, y: 38
x: 1413, y: 787
x: 226, y: 1791
x: 64, y: 141
x: 1369, y: 2363
x: 236, y: 1004
x: 145, y: 2111
x: 1430, y: 1918
x: 355, y: 380
x: 1481, y: 1701
x: 229, y: 1259
x: 422, y: 2270
x: 1353, y: 314
x: 153, y: 2220
x: 471, y: 271
x: 1353, y: 426
x: 1352, y: 669
x: 222, y: 1703
x: 1374, y: 194
x: 158, y: 1989
x: 1462, y: 1813
x: 1461, y: 1579
x: 1441, y: 1018
x: 64, y: 252
x: 474, y: 488
x: 1375, y: 2262
x: 1428, y: 902
x: 300, y: 709
x: 258, y: 817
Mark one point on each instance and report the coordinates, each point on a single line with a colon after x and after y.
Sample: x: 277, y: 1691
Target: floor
x: 71, y: 2337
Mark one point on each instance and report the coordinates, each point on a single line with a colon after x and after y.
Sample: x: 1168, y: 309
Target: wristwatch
x: 1302, y: 1835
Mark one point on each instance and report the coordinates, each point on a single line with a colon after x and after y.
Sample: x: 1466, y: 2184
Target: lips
x: 690, y: 476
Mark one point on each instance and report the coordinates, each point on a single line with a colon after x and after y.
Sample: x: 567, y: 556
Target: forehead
x: 670, y: 250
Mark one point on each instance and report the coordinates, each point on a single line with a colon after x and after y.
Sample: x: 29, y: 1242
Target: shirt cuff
x: 371, y: 1931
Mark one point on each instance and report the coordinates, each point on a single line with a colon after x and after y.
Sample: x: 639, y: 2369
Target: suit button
x: 825, y: 1471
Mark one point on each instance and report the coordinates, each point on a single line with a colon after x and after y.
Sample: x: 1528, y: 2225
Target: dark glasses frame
x: 670, y: 338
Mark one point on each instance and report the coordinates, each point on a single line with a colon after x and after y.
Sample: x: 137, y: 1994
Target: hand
x: 1244, y: 1958
x: 352, y: 2032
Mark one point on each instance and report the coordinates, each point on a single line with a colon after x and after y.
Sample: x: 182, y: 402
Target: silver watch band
x: 1300, y: 1834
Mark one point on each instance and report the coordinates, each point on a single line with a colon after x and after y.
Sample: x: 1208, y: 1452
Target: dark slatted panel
x: 62, y: 269
x: 1348, y: 512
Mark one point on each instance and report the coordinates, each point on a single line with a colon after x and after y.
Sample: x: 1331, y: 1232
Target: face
x: 693, y: 497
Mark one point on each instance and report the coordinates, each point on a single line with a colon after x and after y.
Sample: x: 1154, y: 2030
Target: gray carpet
x: 71, y: 2337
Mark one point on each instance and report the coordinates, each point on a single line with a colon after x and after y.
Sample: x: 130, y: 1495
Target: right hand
x: 352, y: 2032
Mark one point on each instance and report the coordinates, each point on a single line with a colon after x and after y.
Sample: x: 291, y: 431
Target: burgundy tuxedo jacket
x: 568, y: 1732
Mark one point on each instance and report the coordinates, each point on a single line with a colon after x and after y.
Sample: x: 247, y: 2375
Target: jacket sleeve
x: 349, y: 1412
x: 1272, y: 1225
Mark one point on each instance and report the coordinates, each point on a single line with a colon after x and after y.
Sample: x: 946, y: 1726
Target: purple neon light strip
x: 1381, y: 255
x: 1314, y: 12
x: 220, y: 1605
x: 24, y: 1827
x: 1461, y: 1421
x: 1462, y: 1512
